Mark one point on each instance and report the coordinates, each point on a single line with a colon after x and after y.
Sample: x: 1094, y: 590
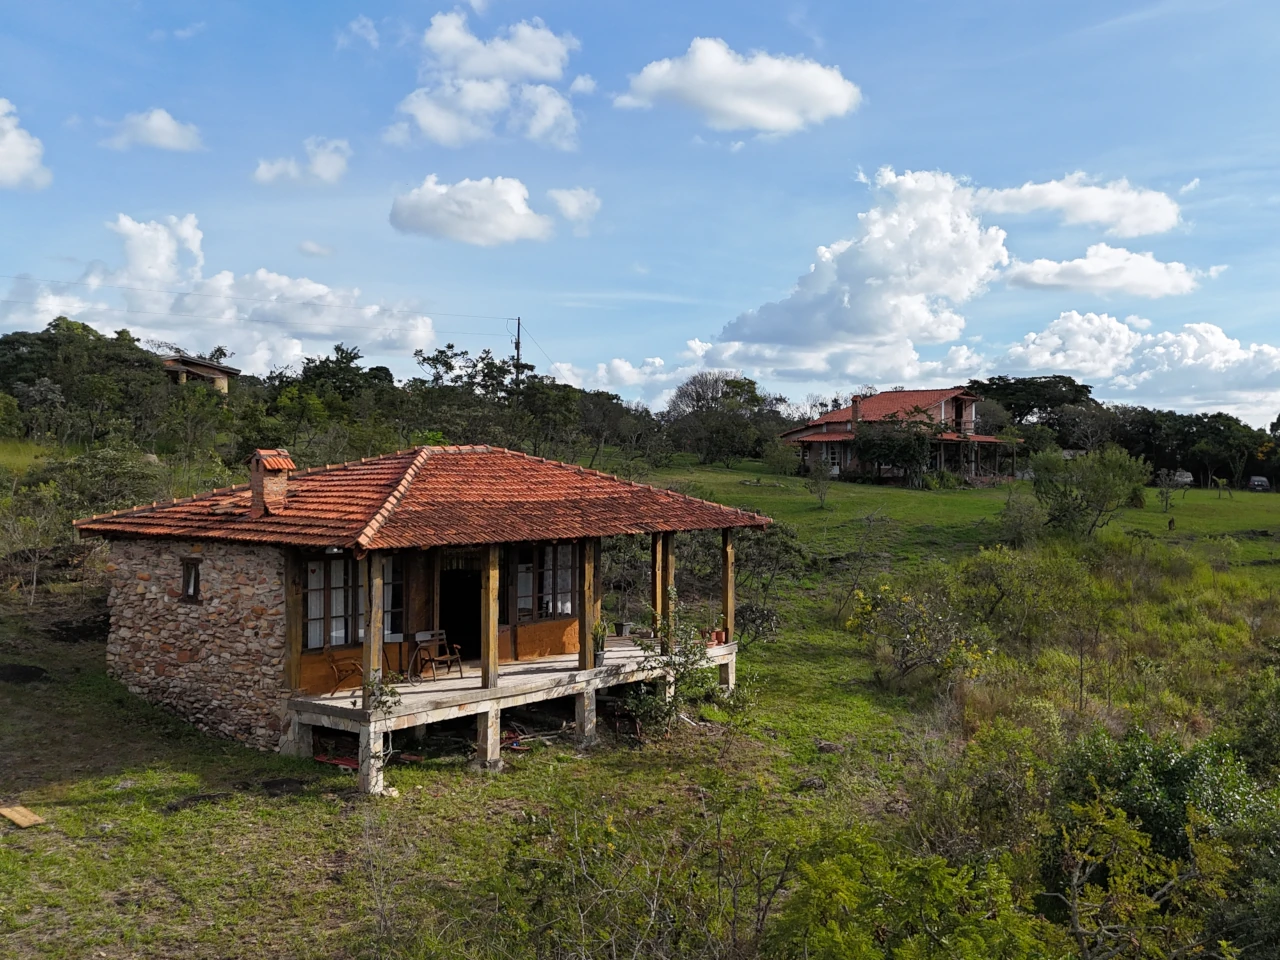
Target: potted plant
x: 599, y: 633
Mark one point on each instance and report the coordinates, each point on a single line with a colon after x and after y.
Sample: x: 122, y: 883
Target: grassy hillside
x: 161, y: 842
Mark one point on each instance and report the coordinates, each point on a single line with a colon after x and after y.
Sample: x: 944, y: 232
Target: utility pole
x: 517, y: 359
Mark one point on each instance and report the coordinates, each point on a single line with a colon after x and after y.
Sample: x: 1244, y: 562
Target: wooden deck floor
x: 430, y: 701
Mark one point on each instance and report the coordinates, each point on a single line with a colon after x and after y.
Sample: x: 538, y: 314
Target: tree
x: 1084, y: 493
x: 33, y: 523
x: 1032, y: 398
x: 901, y: 443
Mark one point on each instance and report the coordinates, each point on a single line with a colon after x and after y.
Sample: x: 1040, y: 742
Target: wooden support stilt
x: 372, y: 653
x: 489, y: 576
x: 728, y: 600
x: 586, y: 604
x: 489, y: 740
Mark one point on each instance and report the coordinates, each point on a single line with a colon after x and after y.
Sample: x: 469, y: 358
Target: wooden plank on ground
x: 21, y: 816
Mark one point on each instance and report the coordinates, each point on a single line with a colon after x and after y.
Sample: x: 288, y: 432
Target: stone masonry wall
x: 219, y: 663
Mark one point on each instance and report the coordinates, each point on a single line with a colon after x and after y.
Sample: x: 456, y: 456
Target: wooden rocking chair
x: 433, y: 649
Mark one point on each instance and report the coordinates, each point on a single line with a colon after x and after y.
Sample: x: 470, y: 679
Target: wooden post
x: 489, y: 578
x: 489, y: 740
x: 372, y: 652
x: 668, y: 575
x: 513, y: 598
x: 295, y: 578
x: 434, y: 574
x: 657, y: 579
x: 586, y: 587
x: 727, y: 599
x: 597, y: 586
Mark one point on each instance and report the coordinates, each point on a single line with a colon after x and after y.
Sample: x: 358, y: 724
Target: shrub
x: 858, y: 901
x: 1083, y: 494
x: 1257, y: 736
x: 1022, y: 521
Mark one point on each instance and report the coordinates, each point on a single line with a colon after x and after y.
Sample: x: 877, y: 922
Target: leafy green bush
x: 1084, y: 493
x: 858, y: 900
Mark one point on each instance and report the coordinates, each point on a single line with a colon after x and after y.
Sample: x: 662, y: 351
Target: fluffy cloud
x: 578, y: 205
x: 21, y: 154
x: 456, y: 112
x: 583, y: 83
x: 472, y: 84
x: 310, y: 248
x: 1106, y: 269
x: 484, y: 212
x: 326, y: 162
x: 529, y: 51
x: 271, y: 318
x: 154, y: 128
x: 1090, y: 344
x: 546, y: 116
x: 1125, y: 210
x: 917, y: 255
x: 361, y: 28
x: 1197, y: 366
x: 770, y: 94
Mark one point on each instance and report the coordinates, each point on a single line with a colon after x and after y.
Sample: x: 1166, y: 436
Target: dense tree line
x: 1058, y: 410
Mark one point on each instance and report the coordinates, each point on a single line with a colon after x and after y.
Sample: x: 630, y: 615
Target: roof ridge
x: 577, y: 468
x: 365, y: 536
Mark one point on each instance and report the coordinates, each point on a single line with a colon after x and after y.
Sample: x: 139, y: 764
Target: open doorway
x: 460, y: 610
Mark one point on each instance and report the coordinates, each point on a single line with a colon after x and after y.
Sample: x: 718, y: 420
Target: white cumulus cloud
x: 583, y: 83
x: 326, y: 162
x: 470, y: 85
x: 578, y: 205
x: 485, y: 212
x: 913, y: 260
x: 21, y: 153
x: 1106, y: 269
x: 361, y: 28
x: 269, y: 318
x: 760, y: 91
x: 528, y: 51
x: 1089, y: 344
x: 312, y: 249
x: 154, y: 128
x: 1125, y: 210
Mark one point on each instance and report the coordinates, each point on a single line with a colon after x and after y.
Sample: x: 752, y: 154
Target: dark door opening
x: 460, y: 610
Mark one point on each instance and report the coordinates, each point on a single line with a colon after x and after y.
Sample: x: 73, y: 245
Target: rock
x: 391, y: 792
x: 813, y: 783
x: 826, y: 746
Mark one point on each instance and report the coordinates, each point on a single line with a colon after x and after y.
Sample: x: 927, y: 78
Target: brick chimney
x: 268, y: 481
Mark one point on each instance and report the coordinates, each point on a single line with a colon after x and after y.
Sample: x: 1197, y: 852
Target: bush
x: 1083, y: 494
x: 858, y: 901
x: 1022, y: 521
x: 1257, y: 736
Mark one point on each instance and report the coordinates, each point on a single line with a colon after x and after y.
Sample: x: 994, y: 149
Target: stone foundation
x: 219, y: 663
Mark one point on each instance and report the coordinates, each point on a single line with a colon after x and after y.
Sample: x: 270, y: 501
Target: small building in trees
x: 182, y: 368
x: 897, y: 431
x: 264, y: 611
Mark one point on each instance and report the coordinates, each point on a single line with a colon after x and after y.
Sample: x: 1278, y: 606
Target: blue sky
x: 998, y: 187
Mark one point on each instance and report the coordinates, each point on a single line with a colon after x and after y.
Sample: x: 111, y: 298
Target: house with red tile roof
x: 265, y: 611
x: 828, y: 442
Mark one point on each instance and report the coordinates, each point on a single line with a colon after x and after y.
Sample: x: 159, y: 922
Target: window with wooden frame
x: 190, y: 581
x: 546, y: 581
x: 334, y: 601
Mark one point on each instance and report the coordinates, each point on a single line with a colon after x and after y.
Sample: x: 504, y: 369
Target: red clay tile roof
x: 881, y: 405
x: 430, y: 496
x: 274, y: 459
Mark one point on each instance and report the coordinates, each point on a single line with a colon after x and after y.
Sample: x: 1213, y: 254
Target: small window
x: 191, y: 581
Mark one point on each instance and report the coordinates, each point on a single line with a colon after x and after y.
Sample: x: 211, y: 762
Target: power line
x: 538, y: 345
x: 287, y: 323
x: 226, y: 296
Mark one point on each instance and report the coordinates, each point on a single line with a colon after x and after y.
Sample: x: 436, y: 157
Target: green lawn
x: 17, y: 456
x: 318, y: 872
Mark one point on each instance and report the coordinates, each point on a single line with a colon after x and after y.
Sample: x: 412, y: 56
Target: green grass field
x: 123, y: 869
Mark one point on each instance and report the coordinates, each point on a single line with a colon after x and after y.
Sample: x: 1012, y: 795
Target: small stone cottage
x: 261, y: 611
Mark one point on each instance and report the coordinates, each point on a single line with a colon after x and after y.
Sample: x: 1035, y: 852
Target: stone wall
x: 219, y: 663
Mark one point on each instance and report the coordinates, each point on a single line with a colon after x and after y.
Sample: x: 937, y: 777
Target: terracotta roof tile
x: 430, y: 496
